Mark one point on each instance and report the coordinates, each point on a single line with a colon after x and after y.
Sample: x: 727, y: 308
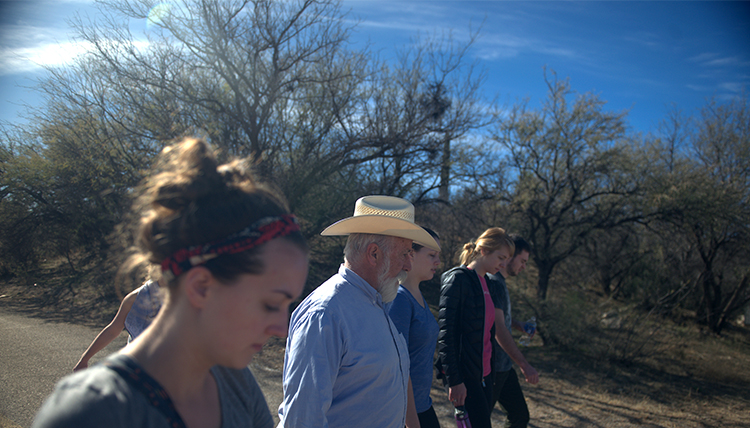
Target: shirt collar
x: 352, y: 278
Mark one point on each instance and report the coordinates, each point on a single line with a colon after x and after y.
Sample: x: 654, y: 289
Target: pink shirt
x: 489, y: 321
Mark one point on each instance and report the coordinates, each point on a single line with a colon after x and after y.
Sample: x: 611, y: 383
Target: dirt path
x: 35, y: 352
x: 569, y: 396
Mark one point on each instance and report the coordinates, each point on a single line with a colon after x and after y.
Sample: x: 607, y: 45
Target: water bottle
x: 529, y: 328
x: 462, y: 417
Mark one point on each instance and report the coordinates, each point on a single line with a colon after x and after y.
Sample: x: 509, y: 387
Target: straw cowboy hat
x: 383, y: 215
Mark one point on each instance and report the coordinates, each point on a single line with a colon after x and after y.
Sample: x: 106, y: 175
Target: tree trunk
x: 445, y: 170
x: 545, y: 271
x: 732, y: 303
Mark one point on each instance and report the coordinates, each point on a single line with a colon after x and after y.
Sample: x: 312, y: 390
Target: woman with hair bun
x: 467, y: 324
x: 232, y: 260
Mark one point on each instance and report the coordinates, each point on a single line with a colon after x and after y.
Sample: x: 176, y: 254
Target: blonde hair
x: 490, y: 240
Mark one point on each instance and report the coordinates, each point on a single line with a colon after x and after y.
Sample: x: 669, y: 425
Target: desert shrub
x: 576, y: 321
x: 566, y: 320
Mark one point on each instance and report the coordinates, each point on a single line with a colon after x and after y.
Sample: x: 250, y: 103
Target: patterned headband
x: 256, y: 234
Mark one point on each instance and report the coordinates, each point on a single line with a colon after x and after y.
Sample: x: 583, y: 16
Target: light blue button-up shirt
x: 345, y: 365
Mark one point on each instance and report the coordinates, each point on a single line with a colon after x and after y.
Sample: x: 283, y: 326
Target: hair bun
x: 192, y: 200
x: 190, y: 173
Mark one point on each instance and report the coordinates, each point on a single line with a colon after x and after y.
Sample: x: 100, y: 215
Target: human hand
x: 530, y: 373
x: 457, y: 394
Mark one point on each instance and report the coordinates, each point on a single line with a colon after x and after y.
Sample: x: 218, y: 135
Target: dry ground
x: 704, y: 381
x: 582, y: 393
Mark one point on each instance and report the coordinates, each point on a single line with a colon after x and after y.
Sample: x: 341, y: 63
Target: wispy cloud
x: 699, y: 88
x: 28, y: 48
x: 27, y: 59
x: 406, y: 17
x: 714, y: 59
x: 501, y: 34
x: 736, y: 87
x: 723, y: 90
x: 725, y: 61
x: 644, y: 39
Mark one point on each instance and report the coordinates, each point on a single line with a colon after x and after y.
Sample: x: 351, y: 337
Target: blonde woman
x: 467, y: 324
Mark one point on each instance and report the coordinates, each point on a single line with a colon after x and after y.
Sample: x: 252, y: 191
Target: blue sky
x: 642, y: 56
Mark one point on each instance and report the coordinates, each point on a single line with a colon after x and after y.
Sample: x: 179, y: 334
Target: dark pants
x: 428, y: 419
x: 479, y: 402
x: 507, y: 392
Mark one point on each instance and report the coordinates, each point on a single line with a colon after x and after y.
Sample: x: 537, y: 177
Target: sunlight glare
x: 157, y: 14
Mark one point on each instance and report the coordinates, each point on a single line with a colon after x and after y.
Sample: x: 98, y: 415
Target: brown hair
x: 416, y: 247
x: 192, y: 200
x: 491, y: 240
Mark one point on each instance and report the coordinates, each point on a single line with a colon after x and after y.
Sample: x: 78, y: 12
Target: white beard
x: 389, y: 286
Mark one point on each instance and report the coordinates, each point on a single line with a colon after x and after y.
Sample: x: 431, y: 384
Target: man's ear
x: 198, y: 283
x: 373, y: 254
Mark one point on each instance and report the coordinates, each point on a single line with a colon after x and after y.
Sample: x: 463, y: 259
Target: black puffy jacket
x: 461, y: 321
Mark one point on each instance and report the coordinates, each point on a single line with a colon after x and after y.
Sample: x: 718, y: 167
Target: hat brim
x: 382, y: 225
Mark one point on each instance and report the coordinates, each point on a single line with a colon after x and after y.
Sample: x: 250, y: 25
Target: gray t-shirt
x: 501, y: 300
x: 98, y: 397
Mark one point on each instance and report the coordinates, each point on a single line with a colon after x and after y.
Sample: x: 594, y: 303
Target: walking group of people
x: 359, y: 349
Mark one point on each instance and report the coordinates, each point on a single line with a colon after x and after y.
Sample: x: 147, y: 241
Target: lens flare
x: 156, y: 14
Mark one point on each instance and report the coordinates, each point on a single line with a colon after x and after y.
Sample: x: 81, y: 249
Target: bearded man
x: 346, y: 364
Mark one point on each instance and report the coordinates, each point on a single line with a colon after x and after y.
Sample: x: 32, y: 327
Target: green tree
x: 275, y: 81
x: 62, y: 192
x: 703, y: 193
x: 572, y: 172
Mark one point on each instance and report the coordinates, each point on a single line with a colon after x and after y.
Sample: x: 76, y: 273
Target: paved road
x: 34, y: 355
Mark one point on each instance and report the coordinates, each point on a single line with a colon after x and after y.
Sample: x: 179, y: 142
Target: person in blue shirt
x: 413, y: 318
x: 346, y: 365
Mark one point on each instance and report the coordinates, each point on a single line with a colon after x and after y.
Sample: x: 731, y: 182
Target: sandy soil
x: 582, y: 394
x: 702, y: 382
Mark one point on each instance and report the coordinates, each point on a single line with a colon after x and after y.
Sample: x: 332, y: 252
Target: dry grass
x: 703, y: 384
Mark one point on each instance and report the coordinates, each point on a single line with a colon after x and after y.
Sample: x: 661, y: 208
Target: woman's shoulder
x: 235, y: 378
x: 405, y: 296
x: 150, y: 288
x: 93, y: 397
x: 403, y: 302
x: 242, y: 401
x: 457, y: 272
